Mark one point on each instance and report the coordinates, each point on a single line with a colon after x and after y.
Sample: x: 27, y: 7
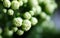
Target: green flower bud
x: 26, y: 25
x: 15, y: 5
x: 25, y: 1
x: 27, y: 15
x: 0, y: 30
x: 17, y: 21
x: 43, y: 15
x: 20, y: 32
x: 33, y: 3
x: 20, y: 2
x: 6, y: 3
x: 34, y: 21
x: 1, y: 36
x: 49, y: 8
x: 14, y: 29
x: 10, y: 12
x: 4, y: 10
x: 31, y: 12
x: 8, y: 33
x: 38, y: 10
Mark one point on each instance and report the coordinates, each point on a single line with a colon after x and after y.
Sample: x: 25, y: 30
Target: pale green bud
x: 27, y: 15
x: 20, y: 32
x: 10, y: 12
x: 25, y: 1
x: 33, y: 3
x: 15, y: 5
x: 4, y: 10
x: 17, y: 21
x: 31, y: 12
x: 6, y: 3
x: 26, y: 25
x: 43, y: 15
x: 34, y: 21
x: 14, y: 29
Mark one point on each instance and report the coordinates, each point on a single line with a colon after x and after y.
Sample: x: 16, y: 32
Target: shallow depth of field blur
x: 44, y: 28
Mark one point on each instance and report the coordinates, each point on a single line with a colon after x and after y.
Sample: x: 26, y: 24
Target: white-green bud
x: 4, y: 10
x: 38, y: 10
x: 25, y: 1
x: 33, y: 3
x: 9, y: 32
x: 20, y: 32
x: 27, y: 15
x: 49, y: 8
x: 31, y: 12
x: 6, y: 3
x: 34, y: 21
x: 15, y: 5
x: 14, y: 29
x: 43, y: 15
x: 20, y: 2
x: 10, y: 12
x: 0, y: 30
x: 26, y: 25
x: 17, y: 21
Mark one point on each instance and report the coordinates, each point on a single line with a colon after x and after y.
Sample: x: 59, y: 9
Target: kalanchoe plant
x: 18, y: 16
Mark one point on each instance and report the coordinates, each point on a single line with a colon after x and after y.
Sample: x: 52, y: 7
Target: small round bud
x: 26, y: 25
x: 43, y: 15
x: 20, y: 2
x: 49, y: 8
x: 27, y: 15
x: 4, y: 10
x: 17, y: 21
x: 25, y: 1
x: 6, y: 3
x: 20, y: 32
x: 38, y: 10
x: 10, y: 12
x: 34, y: 21
x: 31, y: 12
x: 33, y: 3
x: 9, y: 33
x: 14, y: 29
x: 15, y: 5
x: 0, y: 30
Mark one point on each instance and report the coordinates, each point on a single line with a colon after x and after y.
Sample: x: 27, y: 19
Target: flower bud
x: 17, y: 21
x: 15, y: 5
x: 34, y: 21
x: 26, y: 25
x: 27, y: 15
x: 10, y: 12
x: 20, y: 32
x: 6, y: 3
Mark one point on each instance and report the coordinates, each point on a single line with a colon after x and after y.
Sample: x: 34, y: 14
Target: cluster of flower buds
x: 18, y: 16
